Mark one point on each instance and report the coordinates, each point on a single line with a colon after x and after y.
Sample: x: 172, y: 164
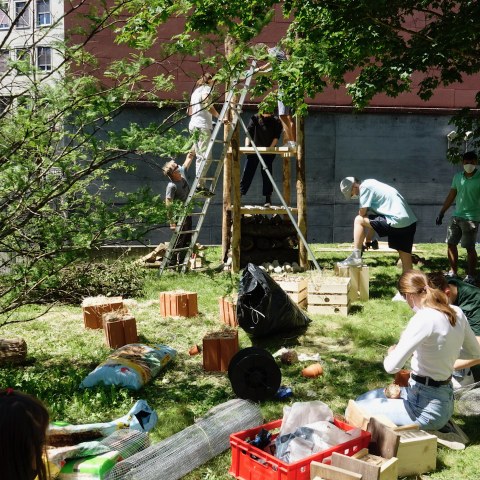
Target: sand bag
x: 131, y: 366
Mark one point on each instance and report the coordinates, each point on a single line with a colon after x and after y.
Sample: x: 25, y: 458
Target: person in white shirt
x: 435, y: 337
x: 201, y: 110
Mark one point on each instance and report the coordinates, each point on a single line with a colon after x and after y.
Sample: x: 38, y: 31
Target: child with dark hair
x: 23, y: 429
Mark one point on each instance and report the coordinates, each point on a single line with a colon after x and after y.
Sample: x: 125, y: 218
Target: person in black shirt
x: 265, y: 129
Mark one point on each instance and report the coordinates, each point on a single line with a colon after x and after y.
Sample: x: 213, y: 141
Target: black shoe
x: 370, y: 245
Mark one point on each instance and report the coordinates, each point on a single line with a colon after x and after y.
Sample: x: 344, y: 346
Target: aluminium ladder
x: 209, y: 182
x: 237, y: 110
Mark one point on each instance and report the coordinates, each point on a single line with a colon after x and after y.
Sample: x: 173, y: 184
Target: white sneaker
x: 450, y: 440
x: 351, y: 261
x: 398, y: 298
x: 462, y: 378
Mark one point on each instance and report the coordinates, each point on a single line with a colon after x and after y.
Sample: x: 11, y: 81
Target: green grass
x: 61, y: 353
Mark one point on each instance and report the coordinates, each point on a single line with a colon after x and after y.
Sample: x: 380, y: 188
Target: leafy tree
x: 391, y: 46
x: 58, y: 148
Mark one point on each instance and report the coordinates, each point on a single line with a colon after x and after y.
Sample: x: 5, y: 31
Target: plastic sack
x: 140, y: 417
x: 304, y: 413
x: 95, y: 459
x: 311, y: 439
x: 263, y: 307
x: 130, y: 366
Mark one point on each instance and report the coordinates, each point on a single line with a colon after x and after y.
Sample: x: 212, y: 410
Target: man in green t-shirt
x: 467, y: 297
x: 465, y: 191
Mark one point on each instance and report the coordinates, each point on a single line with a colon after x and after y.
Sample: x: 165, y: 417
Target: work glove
x: 439, y: 219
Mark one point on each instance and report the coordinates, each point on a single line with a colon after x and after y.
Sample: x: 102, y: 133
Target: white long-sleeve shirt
x: 434, y: 344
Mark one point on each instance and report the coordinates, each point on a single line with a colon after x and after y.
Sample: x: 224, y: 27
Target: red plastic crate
x: 251, y: 463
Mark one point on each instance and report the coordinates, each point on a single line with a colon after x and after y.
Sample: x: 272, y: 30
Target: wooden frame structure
x: 232, y: 209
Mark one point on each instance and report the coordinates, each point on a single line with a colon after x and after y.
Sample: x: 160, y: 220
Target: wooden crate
x: 120, y: 328
x: 295, y: 288
x: 328, y: 295
x: 218, y: 350
x: 228, y: 311
x: 359, y: 279
x: 416, y: 450
x: 362, y: 465
x: 178, y: 304
x: 94, y: 307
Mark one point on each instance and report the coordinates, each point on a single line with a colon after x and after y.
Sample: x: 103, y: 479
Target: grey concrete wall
x: 407, y: 151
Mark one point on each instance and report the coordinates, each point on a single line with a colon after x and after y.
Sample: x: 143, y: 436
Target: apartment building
x: 30, y: 32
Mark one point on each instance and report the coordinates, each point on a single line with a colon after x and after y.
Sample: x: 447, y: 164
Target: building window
x: 4, y: 57
x: 22, y: 17
x: 4, y: 18
x: 44, y: 59
x: 22, y: 54
x: 44, y: 17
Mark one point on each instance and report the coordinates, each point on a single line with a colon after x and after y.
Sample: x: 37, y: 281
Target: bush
x: 88, y: 279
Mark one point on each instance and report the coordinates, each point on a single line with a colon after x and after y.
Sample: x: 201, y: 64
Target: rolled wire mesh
x: 186, y: 450
x: 127, y: 442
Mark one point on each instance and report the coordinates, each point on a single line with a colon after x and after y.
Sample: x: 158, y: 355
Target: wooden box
x: 218, y: 350
x: 295, y: 288
x: 120, y: 329
x: 13, y: 351
x: 195, y: 262
x: 94, y: 307
x: 416, y: 450
x: 328, y: 295
x: 178, y: 304
x: 228, y: 311
x: 362, y: 465
x: 359, y: 281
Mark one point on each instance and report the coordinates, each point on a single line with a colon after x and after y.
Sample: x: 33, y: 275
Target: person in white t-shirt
x: 201, y: 110
x: 435, y: 337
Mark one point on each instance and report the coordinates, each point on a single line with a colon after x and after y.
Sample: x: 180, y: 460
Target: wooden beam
x: 301, y: 190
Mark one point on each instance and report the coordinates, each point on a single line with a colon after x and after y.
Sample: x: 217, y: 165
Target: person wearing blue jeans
x: 435, y: 337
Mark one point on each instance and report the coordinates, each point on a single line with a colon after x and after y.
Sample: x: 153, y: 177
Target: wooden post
x: 227, y: 176
x: 236, y: 215
x: 287, y: 187
x: 301, y: 190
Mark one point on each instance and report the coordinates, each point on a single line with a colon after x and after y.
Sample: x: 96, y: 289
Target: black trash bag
x: 263, y: 307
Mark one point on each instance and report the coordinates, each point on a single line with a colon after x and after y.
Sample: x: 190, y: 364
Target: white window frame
x: 44, y: 18
x: 4, y: 58
x: 23, y: 21
x: 5, y: 16
x: 47, y: 67
x: 27, y: 52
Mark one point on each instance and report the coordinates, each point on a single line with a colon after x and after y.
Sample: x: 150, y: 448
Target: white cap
x: 346, y: 187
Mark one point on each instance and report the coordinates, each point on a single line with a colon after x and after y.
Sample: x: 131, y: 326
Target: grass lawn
x: 61, y: 353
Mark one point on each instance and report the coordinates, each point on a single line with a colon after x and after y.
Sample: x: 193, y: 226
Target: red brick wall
x: 185, y: 71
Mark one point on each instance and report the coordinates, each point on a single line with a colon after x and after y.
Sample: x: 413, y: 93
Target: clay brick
x: 218, y: 350
x: 92, y: 314
x: 178, y: 304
